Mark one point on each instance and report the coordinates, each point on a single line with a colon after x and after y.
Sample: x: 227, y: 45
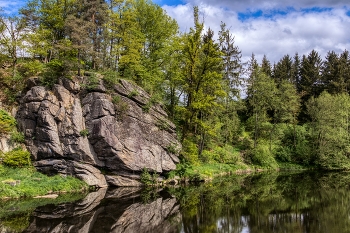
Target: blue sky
x: 271, y: 27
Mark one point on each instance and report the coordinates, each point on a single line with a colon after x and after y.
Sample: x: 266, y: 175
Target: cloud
x: 276, y: 35
x: 239, y: 5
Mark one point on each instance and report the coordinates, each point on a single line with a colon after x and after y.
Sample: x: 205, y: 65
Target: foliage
x: 7, y: 122
x: 190, y: 151
x: 33, y: 183
x: 84, y: 133
x: 133, y: 93
x: 263, y: 156
x: 17, y: 137
x: 17, y: 158
x: 330, y: 129
x: 147, y: 178
x: 91, y: 82
x: 226, y: 154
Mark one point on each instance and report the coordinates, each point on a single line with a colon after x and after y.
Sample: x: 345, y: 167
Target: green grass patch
x: 15, y: 214
x: 32, y: 183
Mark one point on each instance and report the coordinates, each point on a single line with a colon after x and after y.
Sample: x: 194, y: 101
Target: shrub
x: 31, y: 68
x: 262, y: 156
x: 17, y: 158
x: 190, y: 151
x: 92, y: 82
x: 146, y: 177
x: 17, y: 137
x: 7, y: 122
x: 110, y: 77
x: 172, y: 148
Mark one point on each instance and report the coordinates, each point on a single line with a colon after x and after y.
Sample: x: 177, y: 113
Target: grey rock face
x: 71, y: 131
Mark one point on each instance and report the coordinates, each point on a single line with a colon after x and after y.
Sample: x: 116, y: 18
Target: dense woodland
x: 294, y: 111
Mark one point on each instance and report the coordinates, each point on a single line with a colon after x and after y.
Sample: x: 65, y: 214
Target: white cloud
x: 239, y: 5
x: 275, y: 36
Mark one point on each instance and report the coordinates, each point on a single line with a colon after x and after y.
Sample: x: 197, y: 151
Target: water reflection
x: 276, y: 202
x: 119, y: 210
x: 305, y: 202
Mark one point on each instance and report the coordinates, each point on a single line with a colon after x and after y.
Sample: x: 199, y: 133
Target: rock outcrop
x: 79, y: 131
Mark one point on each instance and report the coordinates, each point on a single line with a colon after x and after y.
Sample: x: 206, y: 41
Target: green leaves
x: 330, y: 129
x: 7, y: 122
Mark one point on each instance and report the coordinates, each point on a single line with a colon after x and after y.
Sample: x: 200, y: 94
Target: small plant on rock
x: 146, y: 177
x: 133, y: 93
x: 84, y: 133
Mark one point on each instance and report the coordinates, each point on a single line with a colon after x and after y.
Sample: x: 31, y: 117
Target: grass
x: 207, y: 171
x: 33, y: 183
x: 15, y: 214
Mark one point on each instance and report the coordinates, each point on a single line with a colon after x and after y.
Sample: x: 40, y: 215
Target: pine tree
x: 266, y: 66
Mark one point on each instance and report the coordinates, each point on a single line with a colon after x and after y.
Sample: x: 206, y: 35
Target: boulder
x: 76, y: 131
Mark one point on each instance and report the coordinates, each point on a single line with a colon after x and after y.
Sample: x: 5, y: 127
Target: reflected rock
x: 121, y: 212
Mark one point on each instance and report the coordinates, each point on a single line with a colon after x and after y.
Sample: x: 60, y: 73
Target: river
x: 265, y: 202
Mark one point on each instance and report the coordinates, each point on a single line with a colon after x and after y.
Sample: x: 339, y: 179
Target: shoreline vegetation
x: 26, y: 182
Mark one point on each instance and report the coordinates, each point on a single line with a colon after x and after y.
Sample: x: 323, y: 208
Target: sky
x: 272, y: 27
x: 264, y: 27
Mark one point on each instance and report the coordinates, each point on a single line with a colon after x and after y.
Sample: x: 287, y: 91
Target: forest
x: 295, y: 111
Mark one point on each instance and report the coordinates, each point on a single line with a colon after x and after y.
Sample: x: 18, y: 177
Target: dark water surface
x: 265, y: 202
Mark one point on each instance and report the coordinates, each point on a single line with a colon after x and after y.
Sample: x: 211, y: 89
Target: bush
x: 17, y: 137
x: 226, y: 154
x: 31, y: 68
x: 17, y: 158
x: 7, y: 122
x: 262, y: 156
x: 190, y: 151
x: 148, y: 179
x: 110, y: 77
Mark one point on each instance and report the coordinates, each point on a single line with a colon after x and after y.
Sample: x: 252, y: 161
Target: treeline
x: 297, y: 110
x: 293, y: 111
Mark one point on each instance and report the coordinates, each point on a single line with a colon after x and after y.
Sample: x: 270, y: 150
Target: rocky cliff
x: 79, y: 129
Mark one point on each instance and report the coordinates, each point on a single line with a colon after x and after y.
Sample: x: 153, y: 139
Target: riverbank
x: 27, y: 182
x: 208, y: 171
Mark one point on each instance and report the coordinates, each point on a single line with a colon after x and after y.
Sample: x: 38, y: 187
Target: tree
x: 330, y: 129
x: 266, y: 66
x: 261, y: 98
x: 232, y: 66
x: 46, y: 20
x: 12, y: 30
x: 310, y: 80
x: 283, y: 70
x: 202, y: 81
x: 232, y: 82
